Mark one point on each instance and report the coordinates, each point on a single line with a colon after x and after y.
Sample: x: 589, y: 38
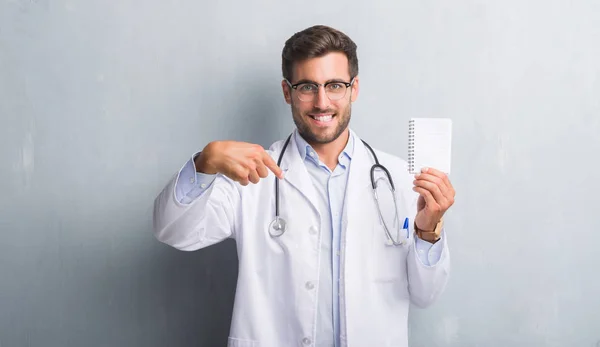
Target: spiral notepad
x: 429, y: 144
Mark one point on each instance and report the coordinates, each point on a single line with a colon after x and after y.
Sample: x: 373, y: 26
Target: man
x: 334, y: 277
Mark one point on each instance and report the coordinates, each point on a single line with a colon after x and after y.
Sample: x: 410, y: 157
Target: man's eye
x: 306, y: 88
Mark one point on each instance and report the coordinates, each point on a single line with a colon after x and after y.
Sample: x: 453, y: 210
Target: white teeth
x: 323, y: 118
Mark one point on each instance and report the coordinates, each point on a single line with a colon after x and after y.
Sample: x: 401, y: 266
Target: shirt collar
x: 305, y: 149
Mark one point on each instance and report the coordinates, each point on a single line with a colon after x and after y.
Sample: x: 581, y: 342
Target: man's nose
x: 321, y: 99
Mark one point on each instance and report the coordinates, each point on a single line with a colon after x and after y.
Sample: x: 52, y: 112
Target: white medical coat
x: 276, y: 296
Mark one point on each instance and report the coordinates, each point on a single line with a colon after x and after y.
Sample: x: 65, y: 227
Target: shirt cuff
x: 428, y: 252
x: 190, y: 183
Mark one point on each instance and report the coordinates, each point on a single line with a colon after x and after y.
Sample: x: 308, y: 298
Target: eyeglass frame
x: 348, y: 85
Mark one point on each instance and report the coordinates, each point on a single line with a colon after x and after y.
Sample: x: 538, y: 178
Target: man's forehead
x: 331, y: 66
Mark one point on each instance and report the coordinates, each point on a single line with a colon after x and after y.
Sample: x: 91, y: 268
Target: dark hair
x: 314, y: 42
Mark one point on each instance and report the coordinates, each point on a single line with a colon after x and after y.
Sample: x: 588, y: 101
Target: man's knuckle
x: 254, y: 156
x: 241, y: 173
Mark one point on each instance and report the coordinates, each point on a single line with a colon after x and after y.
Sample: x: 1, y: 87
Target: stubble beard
x: 305, y: 131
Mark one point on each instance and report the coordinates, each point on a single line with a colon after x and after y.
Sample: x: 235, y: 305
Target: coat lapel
x: 359, y: 182
x: 296, y: 174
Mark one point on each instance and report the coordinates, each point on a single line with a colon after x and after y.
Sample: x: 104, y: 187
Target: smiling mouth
x: 322, y: 118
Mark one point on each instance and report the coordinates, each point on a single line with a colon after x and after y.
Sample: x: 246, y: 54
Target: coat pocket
x: 388, y: 262
x: 235, y: 342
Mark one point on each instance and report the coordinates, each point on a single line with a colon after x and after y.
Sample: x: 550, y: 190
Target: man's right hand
x: 241, y: 161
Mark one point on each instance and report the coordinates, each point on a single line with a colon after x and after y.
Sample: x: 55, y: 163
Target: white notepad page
x: 429, y: 144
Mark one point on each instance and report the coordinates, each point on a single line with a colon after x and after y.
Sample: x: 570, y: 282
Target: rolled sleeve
x: 190, y: 183
x: 430, y: 253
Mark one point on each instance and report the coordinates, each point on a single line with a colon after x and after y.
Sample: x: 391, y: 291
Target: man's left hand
x: 436, y: 197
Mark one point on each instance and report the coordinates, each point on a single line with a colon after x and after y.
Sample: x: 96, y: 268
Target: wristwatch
x: 430, y: 236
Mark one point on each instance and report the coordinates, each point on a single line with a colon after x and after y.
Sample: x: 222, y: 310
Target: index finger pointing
x: 270, y: 163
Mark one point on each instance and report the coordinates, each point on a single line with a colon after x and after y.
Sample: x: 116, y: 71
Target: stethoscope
x: 279, y: 225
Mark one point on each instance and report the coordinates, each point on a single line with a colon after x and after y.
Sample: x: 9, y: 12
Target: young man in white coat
x: 334, y: 277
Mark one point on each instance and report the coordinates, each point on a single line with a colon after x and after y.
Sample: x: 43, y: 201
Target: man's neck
x: 330, y: 152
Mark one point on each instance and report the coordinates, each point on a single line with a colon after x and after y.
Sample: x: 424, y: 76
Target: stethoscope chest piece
x: 277, y: 227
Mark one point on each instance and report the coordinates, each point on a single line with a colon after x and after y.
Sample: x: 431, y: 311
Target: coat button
x: 306, y: 341
x: 312, y: 230
x: 309, y: 285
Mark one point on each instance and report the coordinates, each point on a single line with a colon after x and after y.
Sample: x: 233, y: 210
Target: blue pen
x: 406, y: 227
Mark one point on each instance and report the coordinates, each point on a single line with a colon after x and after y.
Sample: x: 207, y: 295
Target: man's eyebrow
x: 337, y: 80
x: 305, y: 81
x: 333, y: 80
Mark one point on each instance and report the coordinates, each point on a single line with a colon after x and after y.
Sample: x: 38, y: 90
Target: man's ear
x: 287, y: 92
x: 355, y: 89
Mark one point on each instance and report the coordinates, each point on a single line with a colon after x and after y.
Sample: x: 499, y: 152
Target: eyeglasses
x: 307, y: 91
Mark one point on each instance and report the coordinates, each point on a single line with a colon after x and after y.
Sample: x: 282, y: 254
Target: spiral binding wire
x: 411, y: 145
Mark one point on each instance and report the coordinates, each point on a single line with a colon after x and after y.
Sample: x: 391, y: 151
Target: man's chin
x: 323, y: 137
